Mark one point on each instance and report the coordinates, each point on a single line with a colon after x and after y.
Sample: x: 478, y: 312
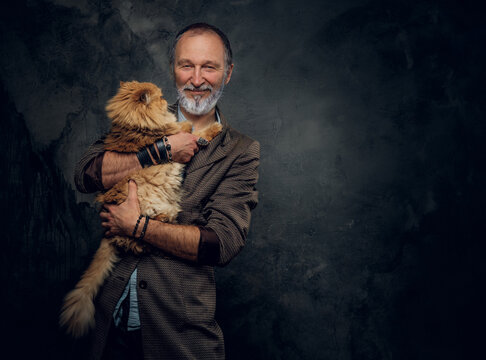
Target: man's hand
x: 179, y: 240
x: 121, y: 219
x: 183, y: 146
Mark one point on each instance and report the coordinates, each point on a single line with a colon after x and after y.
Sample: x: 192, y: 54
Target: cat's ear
x: 122, y: 83
x: 145, y: 97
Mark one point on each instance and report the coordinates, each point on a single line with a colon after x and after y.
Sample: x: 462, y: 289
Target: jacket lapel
x: 216, y: 150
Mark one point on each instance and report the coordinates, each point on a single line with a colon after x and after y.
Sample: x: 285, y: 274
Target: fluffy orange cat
x: 139, y: 118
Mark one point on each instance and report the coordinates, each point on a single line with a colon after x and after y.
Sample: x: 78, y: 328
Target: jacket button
x: 142, y: 284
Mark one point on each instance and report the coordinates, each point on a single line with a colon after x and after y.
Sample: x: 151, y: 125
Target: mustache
x: 198, y: 88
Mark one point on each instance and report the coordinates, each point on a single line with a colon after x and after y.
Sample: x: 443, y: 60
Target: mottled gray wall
x: 368, y: 239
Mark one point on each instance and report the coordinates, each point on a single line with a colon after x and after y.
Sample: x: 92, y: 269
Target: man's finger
x: 132, y: 191
x: 106, y: 224
x: 105, y: 215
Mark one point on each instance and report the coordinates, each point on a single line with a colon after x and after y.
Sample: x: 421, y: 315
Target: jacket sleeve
x: 87, y: 173
x: 228, y: 210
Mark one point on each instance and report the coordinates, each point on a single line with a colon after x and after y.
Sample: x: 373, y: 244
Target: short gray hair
x: 203, y: 27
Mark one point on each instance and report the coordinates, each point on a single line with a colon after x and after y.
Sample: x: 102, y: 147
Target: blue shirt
x: 133, y: 322
x: 131, y: 288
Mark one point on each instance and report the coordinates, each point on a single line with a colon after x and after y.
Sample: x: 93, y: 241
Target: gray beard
x: 199, y: 106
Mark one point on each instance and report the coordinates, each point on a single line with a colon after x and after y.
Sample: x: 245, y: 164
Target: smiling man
x: 161, y: 305
x: 200, y: 74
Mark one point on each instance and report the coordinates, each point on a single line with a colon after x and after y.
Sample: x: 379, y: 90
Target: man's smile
x: 198, y: 92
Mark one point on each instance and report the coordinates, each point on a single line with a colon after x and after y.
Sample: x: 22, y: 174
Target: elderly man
x: 161, y: 305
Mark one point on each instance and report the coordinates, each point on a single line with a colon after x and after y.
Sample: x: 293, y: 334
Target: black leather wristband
x: 162, y: 151
x: 153, y: 152
x: 144, y: 157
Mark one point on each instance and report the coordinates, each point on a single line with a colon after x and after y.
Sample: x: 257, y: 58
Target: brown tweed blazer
x: 177, y: 299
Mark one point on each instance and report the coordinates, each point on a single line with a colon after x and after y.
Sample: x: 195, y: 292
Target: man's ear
x: 228, y: 75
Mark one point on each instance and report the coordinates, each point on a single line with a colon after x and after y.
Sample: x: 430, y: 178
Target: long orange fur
x: 139, y: 118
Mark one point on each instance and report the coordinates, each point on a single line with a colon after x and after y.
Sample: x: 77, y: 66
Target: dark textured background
x: 368, y: 242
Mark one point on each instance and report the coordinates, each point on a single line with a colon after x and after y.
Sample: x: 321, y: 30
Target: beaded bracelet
x: 168, y: 148
x: 142, y: 234
x: 136, y: 225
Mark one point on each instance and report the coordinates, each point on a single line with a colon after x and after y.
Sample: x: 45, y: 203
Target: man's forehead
x: 194, y: 43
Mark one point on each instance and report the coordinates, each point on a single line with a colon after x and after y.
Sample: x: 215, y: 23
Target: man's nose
x: 197, y: 79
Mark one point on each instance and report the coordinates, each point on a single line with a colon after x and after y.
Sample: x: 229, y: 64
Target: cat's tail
x: 77, y: 313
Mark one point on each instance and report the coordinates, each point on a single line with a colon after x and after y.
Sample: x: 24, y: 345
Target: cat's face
x: 143, y: 95
x: 139, y: 105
